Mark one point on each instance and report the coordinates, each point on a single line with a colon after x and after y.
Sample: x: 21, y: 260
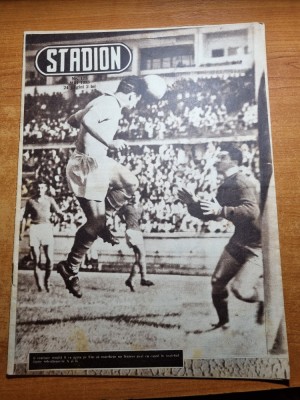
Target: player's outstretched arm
x: 194, y: 206
x: 22, y: 228
x: 186, y: 197
x: 25, y: 221
x: 211, y: 207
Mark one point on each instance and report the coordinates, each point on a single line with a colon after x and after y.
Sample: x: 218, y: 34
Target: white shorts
x: 41, y: 234
x: 134, y: 238
x: 87, y: 177
x: 92, y: 178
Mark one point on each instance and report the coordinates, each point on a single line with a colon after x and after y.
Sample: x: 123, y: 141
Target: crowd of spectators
x: 161, y: 170
x: 45, y: 117
x: 191, y: 108
x: 196, y: 108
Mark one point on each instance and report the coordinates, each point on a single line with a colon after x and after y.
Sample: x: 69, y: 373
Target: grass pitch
x: 174, y: 314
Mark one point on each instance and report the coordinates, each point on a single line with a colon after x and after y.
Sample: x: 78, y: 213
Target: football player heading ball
x: 97, y: 180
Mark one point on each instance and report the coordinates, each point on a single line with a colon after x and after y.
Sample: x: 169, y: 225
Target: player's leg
x: 36, y: 253
x: 47, y: 241
x: 123, y: 184
x: 84, y: 238
x: 135, y: 268
x: 48, y: 251
x: 34, y: 242
x: 96, y: 221
x: 248, y: 284
x: 134, y: 239
x: 225, y: 270
x: 91, y: 257
x: 89, y: 179
x: 138, y: 266
x: 140, y: 258
x: 130, y: 281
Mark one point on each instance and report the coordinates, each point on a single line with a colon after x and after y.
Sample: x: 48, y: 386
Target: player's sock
x: 220, y: 301
x: 71, y: 280
x: 134, y: 270
x: 47, y: 278
x: 83, y: 241
x: 142, y: 267
x: 260, y: 313
x: 38, y: 277
x: 129, y: 283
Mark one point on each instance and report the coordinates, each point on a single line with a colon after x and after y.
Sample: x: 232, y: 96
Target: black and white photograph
x: 146, y: 234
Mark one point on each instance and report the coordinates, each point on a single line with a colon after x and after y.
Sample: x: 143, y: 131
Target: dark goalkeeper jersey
x: 239, y: 198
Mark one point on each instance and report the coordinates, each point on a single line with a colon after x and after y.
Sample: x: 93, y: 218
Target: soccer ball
x: 156, y: 86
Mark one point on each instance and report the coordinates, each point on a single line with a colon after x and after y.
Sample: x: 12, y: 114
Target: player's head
x: 230, y: 156
x: 40, y: 187
x: 133, y: 88
x: 235, y: 154
x: 132, y: 84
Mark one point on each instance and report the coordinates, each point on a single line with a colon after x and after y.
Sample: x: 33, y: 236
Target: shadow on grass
x: 128, y: 319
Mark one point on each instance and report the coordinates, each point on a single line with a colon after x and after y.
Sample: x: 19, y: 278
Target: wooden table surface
x: 282, y: 20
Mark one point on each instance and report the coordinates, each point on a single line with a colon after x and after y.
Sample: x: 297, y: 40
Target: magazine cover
x: 146, y: 236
